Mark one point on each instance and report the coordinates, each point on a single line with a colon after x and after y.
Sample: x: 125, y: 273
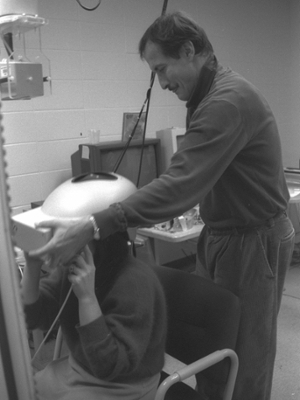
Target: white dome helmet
x: 87, y: 194
x: 80, y: 196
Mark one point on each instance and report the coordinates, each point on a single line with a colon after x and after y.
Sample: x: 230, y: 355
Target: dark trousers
x: 252, y: 263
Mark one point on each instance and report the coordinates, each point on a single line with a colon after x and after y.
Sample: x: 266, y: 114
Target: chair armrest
x: 199, y: 366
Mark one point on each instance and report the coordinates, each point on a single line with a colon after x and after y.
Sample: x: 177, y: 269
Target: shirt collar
x: 206, y: 77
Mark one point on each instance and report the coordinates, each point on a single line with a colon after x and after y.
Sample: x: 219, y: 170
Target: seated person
x: 114, y: 323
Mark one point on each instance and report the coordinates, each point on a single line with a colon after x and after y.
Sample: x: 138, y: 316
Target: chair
x: 203, y: 321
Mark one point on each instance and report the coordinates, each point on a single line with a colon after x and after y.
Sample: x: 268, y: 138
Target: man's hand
x: 69, y: 238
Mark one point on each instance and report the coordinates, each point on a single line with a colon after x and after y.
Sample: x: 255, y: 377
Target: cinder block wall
x: 292, y: 133
x: 97, y: 76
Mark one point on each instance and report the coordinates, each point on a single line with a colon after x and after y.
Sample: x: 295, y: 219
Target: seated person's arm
x: 130, y: 334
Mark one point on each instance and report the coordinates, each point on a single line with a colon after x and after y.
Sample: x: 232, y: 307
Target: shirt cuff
x: 111, y: 220
x: 94, y: 331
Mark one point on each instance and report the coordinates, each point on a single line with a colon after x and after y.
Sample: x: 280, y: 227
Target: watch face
x: 95, y: 226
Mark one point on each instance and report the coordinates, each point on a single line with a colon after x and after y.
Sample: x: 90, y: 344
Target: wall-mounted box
x: 20, y: 80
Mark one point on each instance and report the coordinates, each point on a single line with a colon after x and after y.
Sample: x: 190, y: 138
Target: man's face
x: 178, y: 75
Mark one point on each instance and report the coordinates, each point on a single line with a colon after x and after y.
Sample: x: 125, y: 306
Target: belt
x: 269, y: 223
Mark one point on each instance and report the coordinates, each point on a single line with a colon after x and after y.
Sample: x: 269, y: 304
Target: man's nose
x: 163, y: 82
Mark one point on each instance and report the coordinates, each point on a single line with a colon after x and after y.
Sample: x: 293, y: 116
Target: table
x: 292, y: 176
x: 154, y: 235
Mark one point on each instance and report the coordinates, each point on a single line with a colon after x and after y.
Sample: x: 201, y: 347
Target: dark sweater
x: 126, y: 344
x: 230, y: 162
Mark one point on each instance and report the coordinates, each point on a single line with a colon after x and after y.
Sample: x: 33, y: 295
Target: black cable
x: 8, y: 44
x: 147, y: 109
x: 145, y: 125
x: 164, y: 9
x: 146, y: 102
x: 135, y: 126
x: 53, y: 324
x: 89, y: 9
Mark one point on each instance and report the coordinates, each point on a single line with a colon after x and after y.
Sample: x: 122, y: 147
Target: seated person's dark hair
x: 107, y: 256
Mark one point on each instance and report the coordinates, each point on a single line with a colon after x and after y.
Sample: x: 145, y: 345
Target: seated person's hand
x: 82, y: 275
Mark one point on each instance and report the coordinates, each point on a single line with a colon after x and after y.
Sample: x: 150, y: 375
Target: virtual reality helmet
x: 80, y: 196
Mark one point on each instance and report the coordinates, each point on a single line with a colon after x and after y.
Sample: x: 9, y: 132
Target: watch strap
x: 96, y: 228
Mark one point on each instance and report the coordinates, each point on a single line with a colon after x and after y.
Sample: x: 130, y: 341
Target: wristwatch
x: 96, y: 228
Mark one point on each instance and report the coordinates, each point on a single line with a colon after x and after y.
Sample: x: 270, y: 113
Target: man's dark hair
x: 171, y: 31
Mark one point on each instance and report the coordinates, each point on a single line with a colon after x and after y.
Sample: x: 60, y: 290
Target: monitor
x: 170, y: 140
x: 103, y: 157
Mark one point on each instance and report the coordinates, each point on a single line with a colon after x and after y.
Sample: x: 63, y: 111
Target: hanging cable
x: 89, y: 9
x: 8, y: 44
x: 146, y: 102
x: 164, y: 9
x: 53, y: 324
x: 135, y: 126
x: 145, y: 125
x: 148, y: 106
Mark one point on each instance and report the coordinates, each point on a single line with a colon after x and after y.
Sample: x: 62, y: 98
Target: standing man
x: 230, y: 162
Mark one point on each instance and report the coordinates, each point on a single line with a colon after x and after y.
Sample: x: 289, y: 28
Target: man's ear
x: 187, y: 50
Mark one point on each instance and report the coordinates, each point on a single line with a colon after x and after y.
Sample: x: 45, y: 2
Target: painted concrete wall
x: 97, y: 76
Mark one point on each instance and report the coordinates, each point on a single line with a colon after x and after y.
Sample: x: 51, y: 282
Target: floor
x: 286, y: 383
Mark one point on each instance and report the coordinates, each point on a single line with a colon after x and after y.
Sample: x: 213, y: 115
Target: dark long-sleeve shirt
x: 125, y: 344
x: 229, y: 162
